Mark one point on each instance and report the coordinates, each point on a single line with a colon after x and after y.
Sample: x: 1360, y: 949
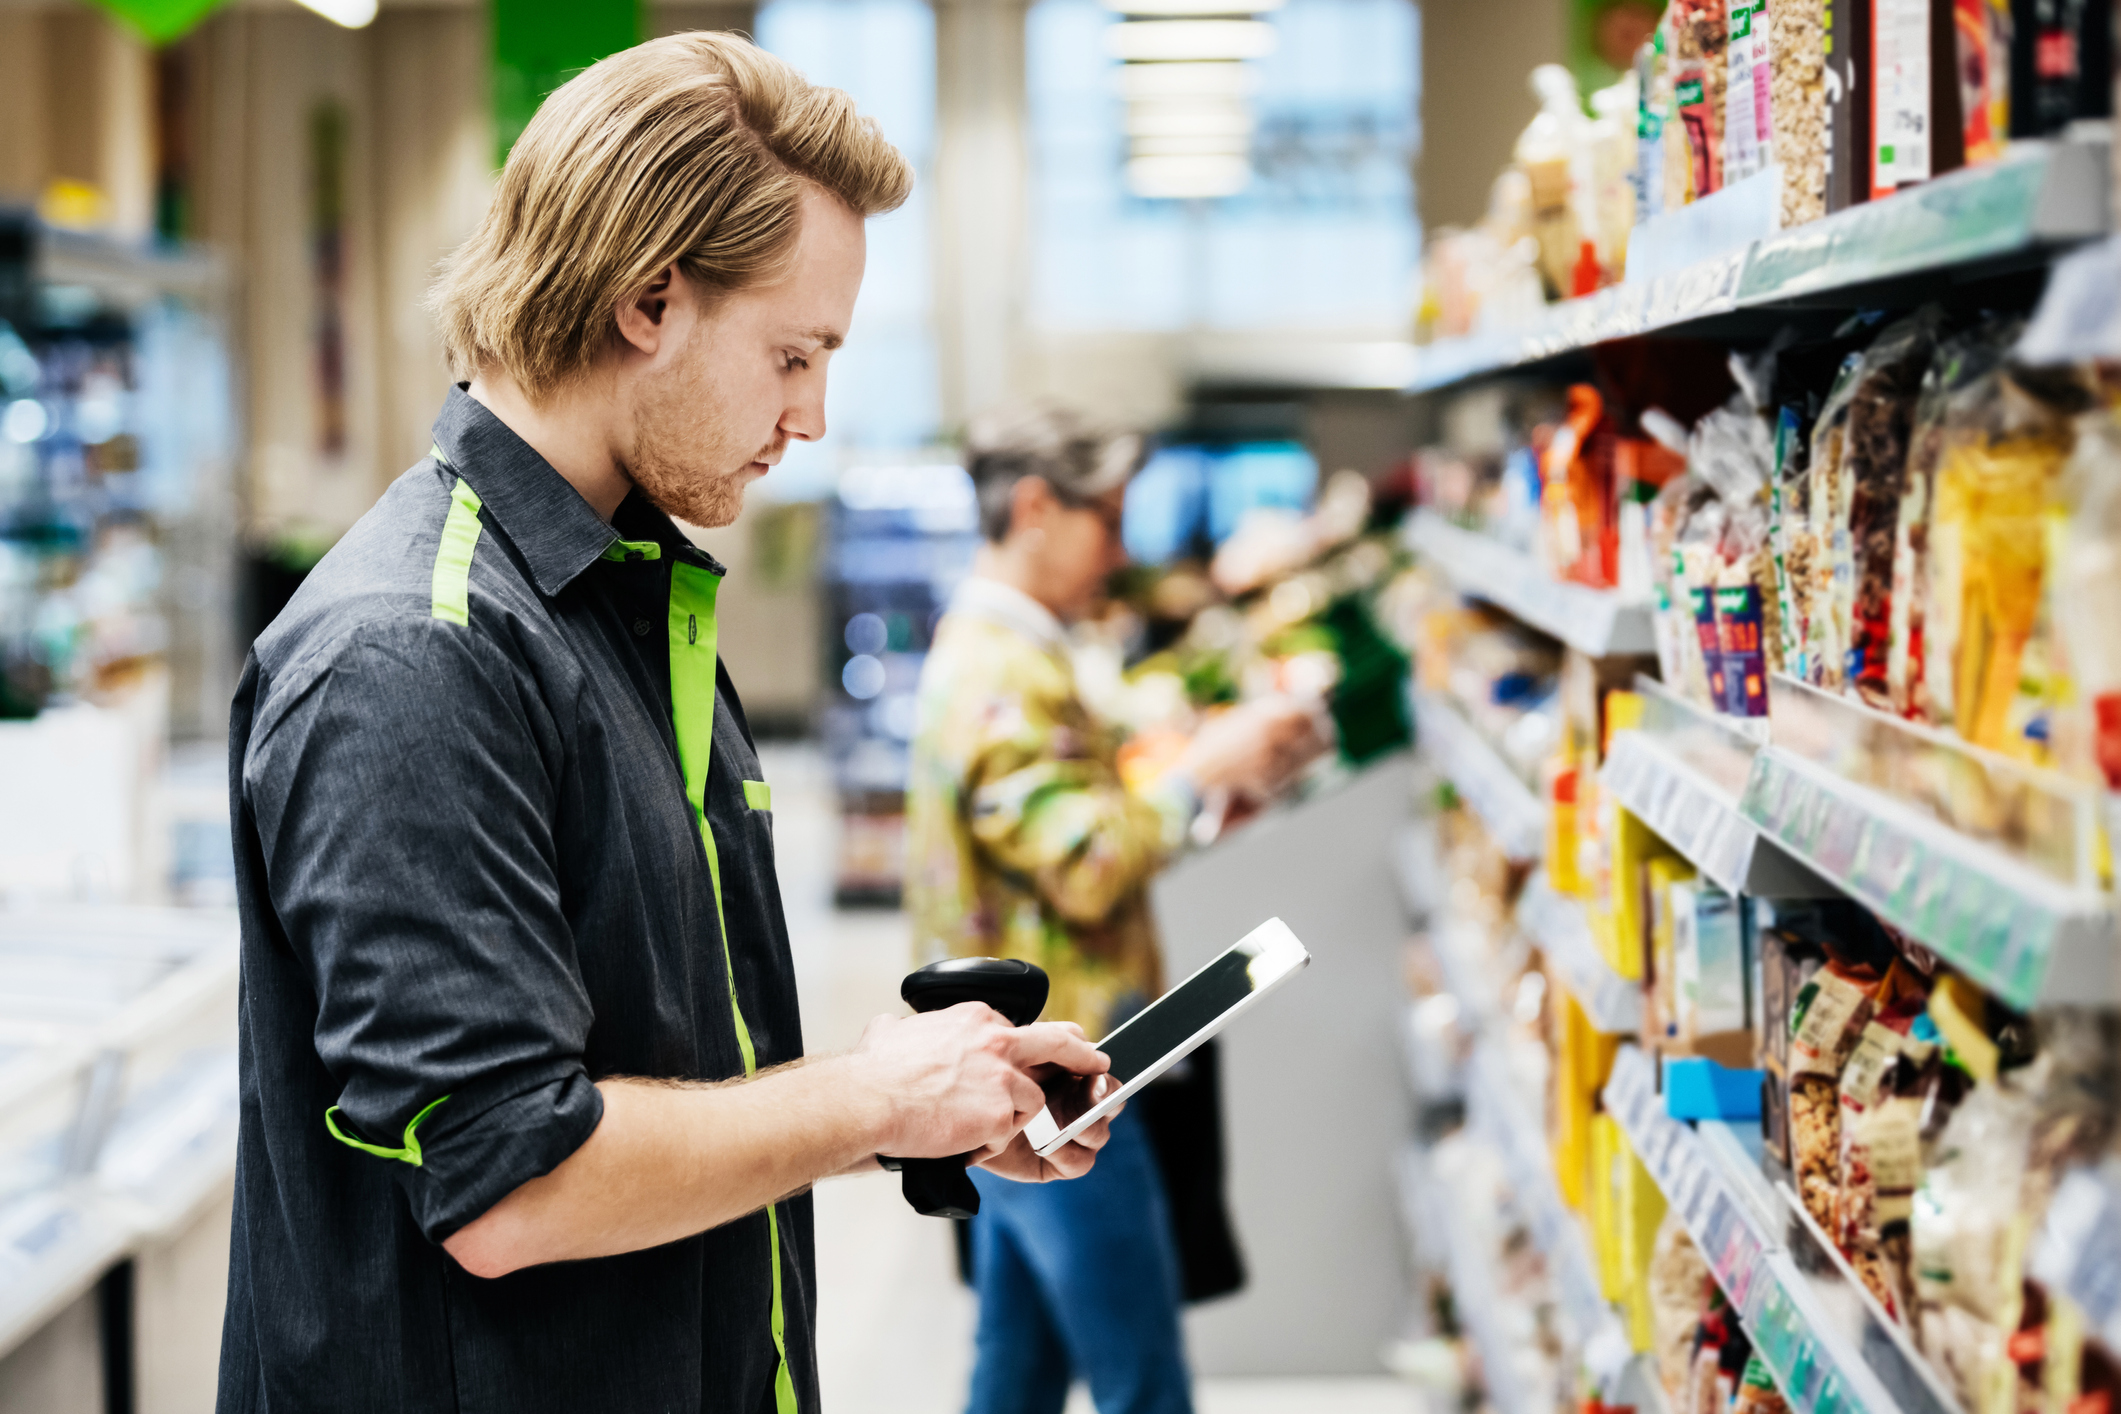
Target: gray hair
x: 1060, y: 446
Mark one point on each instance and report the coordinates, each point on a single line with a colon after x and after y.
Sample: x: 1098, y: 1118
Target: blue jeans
x: 1079, y: 1278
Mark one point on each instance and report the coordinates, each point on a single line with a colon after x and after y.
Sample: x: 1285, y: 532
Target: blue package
x: 1698, y: 1088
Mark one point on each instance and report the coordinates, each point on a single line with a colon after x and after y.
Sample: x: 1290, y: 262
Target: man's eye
x: 792, y: 363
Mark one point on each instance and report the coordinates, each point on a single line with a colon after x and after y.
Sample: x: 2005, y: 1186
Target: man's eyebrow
x: 824, y: 338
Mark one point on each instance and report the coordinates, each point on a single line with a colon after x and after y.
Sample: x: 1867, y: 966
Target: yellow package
x: 1606, y: 1144
x: 1660, y: 1019
x: 1639, y: 1208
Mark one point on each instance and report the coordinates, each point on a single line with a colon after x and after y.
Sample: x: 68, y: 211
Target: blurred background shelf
x: 1494, y: 792
x: 1556, y: 925
x: 1596, y: 621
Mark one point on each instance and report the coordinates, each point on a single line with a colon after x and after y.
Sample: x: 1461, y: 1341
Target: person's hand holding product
x: 1254, y: 749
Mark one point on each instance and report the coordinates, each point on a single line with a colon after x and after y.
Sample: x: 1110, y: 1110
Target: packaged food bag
x: 2088, y: 594
x: 1989, y: 543
x: 1875, y: 458
x: 1796, y: 45
x: 1748, y: 128
x: 1826, y: 1022
x: 1824, y: 545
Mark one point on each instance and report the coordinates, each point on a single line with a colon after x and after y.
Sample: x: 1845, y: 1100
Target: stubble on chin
x: 699, y: 498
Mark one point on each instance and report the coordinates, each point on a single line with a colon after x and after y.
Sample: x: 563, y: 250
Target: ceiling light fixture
x: 1183, y: 40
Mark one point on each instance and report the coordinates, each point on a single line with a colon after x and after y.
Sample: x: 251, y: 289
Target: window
x: 1323, y: 238
x: 882, y: 392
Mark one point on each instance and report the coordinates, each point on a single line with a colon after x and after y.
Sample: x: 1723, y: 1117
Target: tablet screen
x: 1161, y: 1034
x: 1155, y: 1031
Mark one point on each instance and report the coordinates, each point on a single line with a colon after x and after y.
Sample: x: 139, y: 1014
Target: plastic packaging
x: 1875, y: 458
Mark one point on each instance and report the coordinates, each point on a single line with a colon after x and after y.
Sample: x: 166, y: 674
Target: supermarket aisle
x: 894, y: 1324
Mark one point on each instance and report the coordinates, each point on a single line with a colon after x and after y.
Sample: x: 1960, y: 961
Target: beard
x: 685, y: 459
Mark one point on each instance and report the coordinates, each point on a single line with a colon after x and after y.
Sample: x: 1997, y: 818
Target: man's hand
x: 962, y: 1079
x: 1019, y: 1161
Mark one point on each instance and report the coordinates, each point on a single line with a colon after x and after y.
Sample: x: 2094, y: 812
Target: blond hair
x: 690, y: 150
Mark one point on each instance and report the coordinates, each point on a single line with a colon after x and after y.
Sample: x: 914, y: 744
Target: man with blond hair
x: 526, y: 1120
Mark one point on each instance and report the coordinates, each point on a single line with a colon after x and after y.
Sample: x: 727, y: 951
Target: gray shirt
x: 500, y: 832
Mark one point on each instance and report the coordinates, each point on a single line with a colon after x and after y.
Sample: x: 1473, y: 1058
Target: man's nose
x: 804, y: 417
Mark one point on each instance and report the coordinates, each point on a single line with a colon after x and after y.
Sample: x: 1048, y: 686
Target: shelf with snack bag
x: 1739, y: 1227
x: 1600, y: 622
x: 1991, y: 863
x: 1682, y: 770
x: 2038, y: 197
x: 1477, y: 771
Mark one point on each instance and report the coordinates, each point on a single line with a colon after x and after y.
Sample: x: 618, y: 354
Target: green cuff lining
x: 409, y: 1154
x: 758, y: 795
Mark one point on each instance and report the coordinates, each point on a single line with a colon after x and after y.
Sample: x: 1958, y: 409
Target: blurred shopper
x: 1023, y: 842
x: 517, y: 990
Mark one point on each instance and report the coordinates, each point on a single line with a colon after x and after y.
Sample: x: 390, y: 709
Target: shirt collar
x: 558, y: 533
x: 1010, y: 607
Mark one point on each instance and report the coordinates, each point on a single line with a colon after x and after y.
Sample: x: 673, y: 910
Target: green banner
x: 540, y: 44
x: 159, y: 21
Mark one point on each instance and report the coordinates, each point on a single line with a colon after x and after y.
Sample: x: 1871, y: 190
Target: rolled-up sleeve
x: 404, y: 786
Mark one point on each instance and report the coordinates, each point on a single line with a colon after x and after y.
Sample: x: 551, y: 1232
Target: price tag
x: 1887, y: 864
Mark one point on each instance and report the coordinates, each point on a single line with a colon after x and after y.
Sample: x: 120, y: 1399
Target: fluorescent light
x: 354, y: 14
x: 1192, y: 145
x: 1190, y: 39
x: 1183, y: 177
x: 1214, y: 80
x: 1192, y: 7
x: 1188, y: 118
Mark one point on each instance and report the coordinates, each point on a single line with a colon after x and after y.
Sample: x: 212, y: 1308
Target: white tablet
x: 1164, y: 1033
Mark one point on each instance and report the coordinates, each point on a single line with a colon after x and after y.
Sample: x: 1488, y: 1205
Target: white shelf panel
x: 1431, y: 1210
x: 54, y: 1245
x: 1702, y: 821
x: 2021, y: 934
x: 1595, y: 621
x: 1828, y: 1352
x: 2038, y: 197
x: 1504, y: 803
x: 1556, y: 923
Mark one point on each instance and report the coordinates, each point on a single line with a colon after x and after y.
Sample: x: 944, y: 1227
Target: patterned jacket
x: 1021, y: 840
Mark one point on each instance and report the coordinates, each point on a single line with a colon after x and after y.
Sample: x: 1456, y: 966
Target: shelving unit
x: 1597, y: 621
x: 2039, y: 198
x: 118, y: 1110
x: 1987, y: 862
x: 1829, y: 1352
x: 1494, y: 792
x: 1683, y: 772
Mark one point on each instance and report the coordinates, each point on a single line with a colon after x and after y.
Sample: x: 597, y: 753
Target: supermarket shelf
x: 2078, y: 1251
x: 2038, y: 197
x: 1596, y: 621
x: 1504, y: 803
x: 1429, y: 1207
x: 1557, y: 925
x: 1499, y: 1113
x: 1829, y: 1353
x: 2023, y: 935
x: 54, y: 1245
x: 1701, y: 820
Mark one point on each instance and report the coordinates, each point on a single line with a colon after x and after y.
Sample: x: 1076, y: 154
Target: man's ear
x: 643, y: 319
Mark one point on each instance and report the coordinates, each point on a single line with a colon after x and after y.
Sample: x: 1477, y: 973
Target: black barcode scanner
x: 940, y: 1188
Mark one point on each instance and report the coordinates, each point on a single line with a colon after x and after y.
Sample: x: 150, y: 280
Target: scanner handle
x: 941, y: 1188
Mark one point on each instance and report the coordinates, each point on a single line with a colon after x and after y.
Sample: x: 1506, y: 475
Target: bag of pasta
x: 1990, y: 533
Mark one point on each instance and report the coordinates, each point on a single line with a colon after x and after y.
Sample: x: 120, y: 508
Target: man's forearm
x: 667, y: 1161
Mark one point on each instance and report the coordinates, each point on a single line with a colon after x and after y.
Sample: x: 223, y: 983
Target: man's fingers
x: 1057, y: 1043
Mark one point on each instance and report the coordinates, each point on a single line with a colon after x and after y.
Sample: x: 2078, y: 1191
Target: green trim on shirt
x: 692, y: 642
x: 410, y: 1153
x: 460, y: 537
